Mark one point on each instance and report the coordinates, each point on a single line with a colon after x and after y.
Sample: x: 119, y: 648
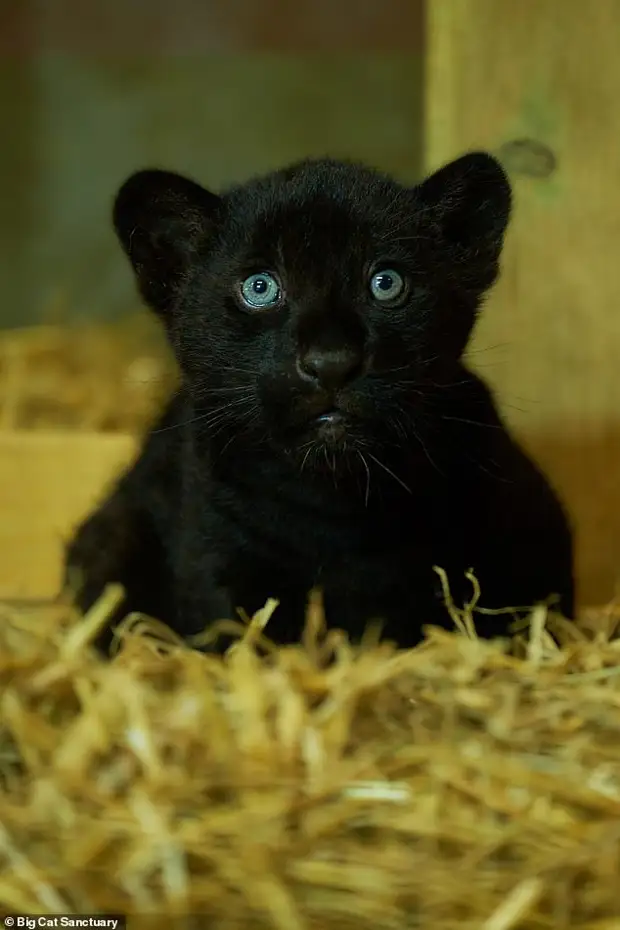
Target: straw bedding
x: 459, y: 784
x: 109, y: 378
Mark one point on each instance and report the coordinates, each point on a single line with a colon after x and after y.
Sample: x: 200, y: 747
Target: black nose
x: 331, y: 367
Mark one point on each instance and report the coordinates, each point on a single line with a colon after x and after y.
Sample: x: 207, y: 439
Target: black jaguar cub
x: 327, y: 433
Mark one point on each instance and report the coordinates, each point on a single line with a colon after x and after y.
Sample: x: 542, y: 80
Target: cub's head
x: 319, y: 307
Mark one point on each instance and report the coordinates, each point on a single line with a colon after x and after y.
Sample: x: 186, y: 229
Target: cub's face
x: 317, y: 309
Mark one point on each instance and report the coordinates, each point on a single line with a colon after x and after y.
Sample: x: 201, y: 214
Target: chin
x: 330, y: 443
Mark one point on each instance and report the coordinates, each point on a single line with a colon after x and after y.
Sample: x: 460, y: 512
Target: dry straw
x: 86, y: 376
x: 462, y: 784
x: 459, y: 784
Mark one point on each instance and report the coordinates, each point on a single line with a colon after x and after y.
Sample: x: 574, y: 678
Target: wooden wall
x: 219, y: 89
x: 139, y: 27
x: 546, y: 73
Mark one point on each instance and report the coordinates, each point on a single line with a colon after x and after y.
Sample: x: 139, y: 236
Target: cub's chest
x: 361, y: 569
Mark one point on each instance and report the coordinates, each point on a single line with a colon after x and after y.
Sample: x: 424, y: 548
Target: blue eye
x: 260, y: 290
x: 387, y: 285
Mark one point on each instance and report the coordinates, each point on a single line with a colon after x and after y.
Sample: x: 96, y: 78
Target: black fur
x: 241, y: 493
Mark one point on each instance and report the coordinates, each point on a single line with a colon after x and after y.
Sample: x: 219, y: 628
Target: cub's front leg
x: 117, y: 543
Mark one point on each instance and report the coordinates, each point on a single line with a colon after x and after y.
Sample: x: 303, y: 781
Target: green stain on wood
x: 539, y: 116
x: 540, y: 119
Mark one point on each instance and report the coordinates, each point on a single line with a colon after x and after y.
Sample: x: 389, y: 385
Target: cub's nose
x: 331, y: 368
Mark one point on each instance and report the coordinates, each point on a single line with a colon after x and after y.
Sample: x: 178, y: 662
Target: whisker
x: 305, y: 458
x: 209, y: 418
x: 227, y: 444
x: 196, y: 419
x: 448, y: 384
x: 415, y: 387
x: 230, y: 389
x: 399, y: 427
x: 494, y: 475
x: 470, y: 422
x: 389, y: 371
x: 389, y: 472
x: 243, y: 371
x: 365, y: 464
x: 425, y: 450
x: 478, y: 350
x: 252, y: 415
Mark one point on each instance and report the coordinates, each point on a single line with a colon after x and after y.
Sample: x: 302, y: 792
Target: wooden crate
x: 48, y: 482
x: 544, y: 73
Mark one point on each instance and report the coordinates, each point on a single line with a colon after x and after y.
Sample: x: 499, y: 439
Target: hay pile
x: 104, y: 377
x: 462, y: 784
x: 451, y: 786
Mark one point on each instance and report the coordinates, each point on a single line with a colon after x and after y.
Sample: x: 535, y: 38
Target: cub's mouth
x: 329, y: 416
x: 331, y: 426
x: 326, y: 420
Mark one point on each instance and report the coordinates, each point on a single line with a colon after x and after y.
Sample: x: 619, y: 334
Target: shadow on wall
x: 584, y: 466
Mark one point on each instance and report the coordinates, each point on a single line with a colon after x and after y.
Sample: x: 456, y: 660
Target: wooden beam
x: 544, y: 74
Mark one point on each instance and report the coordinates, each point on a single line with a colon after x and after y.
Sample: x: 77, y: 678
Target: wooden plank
x: 48, y: 482
x: 221, y: 26
x: 549, y: 338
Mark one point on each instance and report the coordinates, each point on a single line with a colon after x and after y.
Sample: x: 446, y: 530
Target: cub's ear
x: 468, y: 204
x: 161, y: 220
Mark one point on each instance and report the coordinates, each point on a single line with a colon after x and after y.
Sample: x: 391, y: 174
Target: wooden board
x: 48, y: 482
x: 546, y: 72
